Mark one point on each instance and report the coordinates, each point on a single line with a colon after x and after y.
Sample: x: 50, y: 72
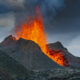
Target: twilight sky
x: 61, y: 19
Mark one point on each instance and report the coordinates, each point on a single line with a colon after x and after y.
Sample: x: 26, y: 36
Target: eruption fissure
x: 34, y: 30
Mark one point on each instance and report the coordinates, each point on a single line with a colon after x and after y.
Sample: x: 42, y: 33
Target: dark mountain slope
x: 27, y: 53
x: 10, y: 68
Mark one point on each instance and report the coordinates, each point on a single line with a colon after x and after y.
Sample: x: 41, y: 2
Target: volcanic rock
x: 27, y: 53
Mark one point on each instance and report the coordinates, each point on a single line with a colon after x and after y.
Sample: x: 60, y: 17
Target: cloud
x: 50, y: 7
x: 74, y: 46
x: 11, y: 5
x: 6, y: 24
x: 67, y: 20
x: 70, y: 40
x: 6, y: 19
x: 45, y: 5
x: 16, y: 4
x: 65, y: 38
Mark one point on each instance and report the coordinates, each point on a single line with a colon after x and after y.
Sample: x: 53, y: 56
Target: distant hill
x: 57, y: 45
x: 73, y: 60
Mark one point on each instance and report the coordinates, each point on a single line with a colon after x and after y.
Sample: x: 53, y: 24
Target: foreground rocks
x: 56, y: 74
x: 12, y: 70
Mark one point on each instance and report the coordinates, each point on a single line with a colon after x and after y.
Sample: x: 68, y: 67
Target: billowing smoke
x: 48, y: 8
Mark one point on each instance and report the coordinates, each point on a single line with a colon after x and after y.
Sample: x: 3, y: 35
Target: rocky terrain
x: 24, y: 60
x: 56, y: 74
x: 9, y: 68
x: 12, y: 70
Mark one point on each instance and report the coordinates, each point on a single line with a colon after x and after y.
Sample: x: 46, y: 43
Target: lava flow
x: 34, y: 30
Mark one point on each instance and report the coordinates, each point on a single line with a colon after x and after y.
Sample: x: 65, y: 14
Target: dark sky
x: 61, y: 19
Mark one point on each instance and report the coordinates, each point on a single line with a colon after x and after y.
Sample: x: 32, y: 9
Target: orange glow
x: 33, y: 30
x: 58, y: 57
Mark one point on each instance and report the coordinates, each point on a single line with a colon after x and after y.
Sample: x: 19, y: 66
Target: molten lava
x: 33, y: 30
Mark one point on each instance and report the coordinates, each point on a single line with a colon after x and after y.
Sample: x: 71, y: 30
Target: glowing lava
x: 33, y: 30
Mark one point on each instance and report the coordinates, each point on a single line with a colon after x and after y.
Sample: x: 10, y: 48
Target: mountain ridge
x: 29, y: 54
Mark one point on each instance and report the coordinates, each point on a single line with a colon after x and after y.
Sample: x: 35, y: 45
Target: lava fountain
x: 34, y: 30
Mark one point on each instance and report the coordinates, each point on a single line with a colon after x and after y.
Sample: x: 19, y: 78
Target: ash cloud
x: 68, y: 19
x: 47, y: 7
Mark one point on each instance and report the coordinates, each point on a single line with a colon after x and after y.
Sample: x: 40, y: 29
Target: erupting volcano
x: 34, y: 30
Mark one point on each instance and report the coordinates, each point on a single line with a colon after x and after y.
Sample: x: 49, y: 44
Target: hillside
x: 11, y: 68
x: 73, y: 60
x: 27, y: 53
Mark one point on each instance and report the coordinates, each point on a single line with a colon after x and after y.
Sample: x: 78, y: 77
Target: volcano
x: 27, y: 53
x: 30, y: 55
x: 29, y: 46
x: 33, y: 30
